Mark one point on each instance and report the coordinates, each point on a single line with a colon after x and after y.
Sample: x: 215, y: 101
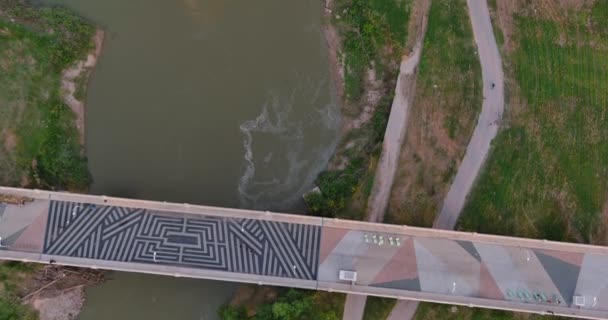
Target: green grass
x: 374, y: 32
x: 378, y: 308
x: 450, y: 74
x: 547, y: 176
x: 32, y: 59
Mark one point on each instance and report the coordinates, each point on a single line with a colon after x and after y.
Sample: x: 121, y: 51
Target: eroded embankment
x: 75, y: 80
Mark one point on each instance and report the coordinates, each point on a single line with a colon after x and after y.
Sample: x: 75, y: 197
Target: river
x: 217, y: 102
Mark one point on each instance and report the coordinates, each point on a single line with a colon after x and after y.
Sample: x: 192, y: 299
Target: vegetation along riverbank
x: 368, y: 38
x: 46, y: 57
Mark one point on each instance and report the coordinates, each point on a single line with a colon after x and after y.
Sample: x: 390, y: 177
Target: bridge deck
x: 306, y: 252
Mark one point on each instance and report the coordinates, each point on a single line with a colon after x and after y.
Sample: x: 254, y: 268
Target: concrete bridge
x: 401, y: 262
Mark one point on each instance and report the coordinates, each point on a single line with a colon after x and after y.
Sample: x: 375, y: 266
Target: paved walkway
x: 483, y: 134
x: 305, y: 252
x: 489, y: 118
x: 393, y: 137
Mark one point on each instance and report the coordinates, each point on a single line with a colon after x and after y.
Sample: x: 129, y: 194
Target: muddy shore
x: 79, y: 75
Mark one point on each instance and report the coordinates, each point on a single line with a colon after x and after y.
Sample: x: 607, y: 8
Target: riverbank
x: 366, y: 40
x: 75, y: 80
x: 446, y: 107
x: 46, y: 58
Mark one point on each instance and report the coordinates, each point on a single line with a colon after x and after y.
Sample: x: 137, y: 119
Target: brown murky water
x: 218, y: 102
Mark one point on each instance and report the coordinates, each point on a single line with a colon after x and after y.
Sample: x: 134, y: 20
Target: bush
x: 59, y: 162
x: 370, y: 28
x: 228, y: 312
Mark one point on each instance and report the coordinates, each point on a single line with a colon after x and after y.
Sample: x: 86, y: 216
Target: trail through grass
x: 547, y: 176
x: 374, y: 33
x: 444, y: 113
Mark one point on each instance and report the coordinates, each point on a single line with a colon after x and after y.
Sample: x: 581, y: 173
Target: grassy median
x: 447, y: 102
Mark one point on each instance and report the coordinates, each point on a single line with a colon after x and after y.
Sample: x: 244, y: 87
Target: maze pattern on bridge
x: 217, y: 243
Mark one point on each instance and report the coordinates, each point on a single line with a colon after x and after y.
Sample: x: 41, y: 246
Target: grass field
x: 547, y: 174
x: 40, y: 144
x: 444, y: 113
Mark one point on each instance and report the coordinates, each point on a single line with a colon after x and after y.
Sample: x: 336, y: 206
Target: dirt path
x: 73, y: 76
x: 485, y: 131
x: 489, y: 118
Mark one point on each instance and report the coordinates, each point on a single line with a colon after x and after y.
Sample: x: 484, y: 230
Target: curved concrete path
x: 393, y: 137
x: 485, y: 131
x: 489, y: 118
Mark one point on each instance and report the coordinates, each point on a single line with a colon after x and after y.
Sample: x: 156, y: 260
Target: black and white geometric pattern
x: 138, y: 235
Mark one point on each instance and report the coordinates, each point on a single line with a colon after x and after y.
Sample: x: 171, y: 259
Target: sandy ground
x: 70, y: 76
x: 10, y: 139
x: 64, y: 306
